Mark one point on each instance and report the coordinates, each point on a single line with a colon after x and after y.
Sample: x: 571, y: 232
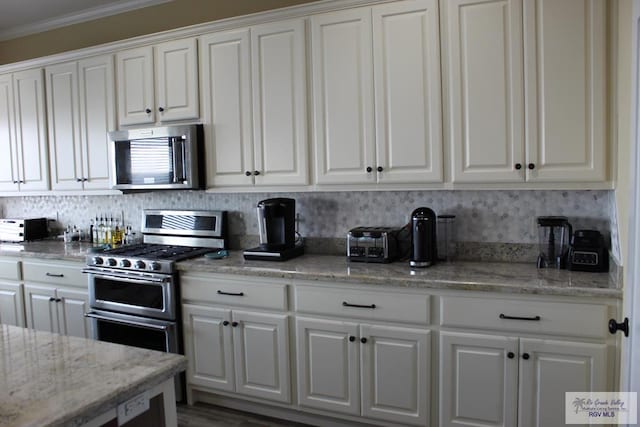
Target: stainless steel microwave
x: 159, y: 158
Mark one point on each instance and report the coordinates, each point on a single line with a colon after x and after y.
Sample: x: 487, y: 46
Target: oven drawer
x: 10, y: 269
x: 540, y: 317
x: 231, y: 291
x: 58, y: 273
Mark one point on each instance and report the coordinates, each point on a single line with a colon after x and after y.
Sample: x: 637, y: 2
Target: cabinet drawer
x: 397, y: 307
x: 583, y: 320
x: 234, y: 291
x: 55, y: 273
x: 10, y: 269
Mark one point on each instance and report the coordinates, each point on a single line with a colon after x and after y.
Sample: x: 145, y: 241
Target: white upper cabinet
x: 31, y: 132
x: 525, y: 90
x: 158, y: 83
x: 483, y: 65
x: 407, y: 86
x: 566, y: 103
x: 8, y: 147
x: 80, y: 111
x: 376, y: 94
x: 254, y: 105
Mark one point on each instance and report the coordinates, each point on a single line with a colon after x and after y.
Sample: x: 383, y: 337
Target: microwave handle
x: 178, y: 158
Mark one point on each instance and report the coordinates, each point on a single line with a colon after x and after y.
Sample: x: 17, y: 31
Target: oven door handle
x: 126, y: 322
x: 122, y: 278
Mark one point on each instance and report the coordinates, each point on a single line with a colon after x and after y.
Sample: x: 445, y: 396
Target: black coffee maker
x: 277, y: 229
x: 423, y: 238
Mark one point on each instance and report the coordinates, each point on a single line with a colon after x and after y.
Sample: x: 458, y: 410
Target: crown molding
x: 76, y: 18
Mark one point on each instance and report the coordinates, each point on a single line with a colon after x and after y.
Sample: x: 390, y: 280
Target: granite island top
x: 516, y: 278
x: 51, y: 380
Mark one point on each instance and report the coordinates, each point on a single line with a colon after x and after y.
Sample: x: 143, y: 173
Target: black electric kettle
x: 423, y: 238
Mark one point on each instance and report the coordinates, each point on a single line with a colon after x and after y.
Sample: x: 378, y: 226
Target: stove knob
x: 112, y: 262
x: 140, y: 265
x: 97, y: 260
x: 155, y: 266
x: 125, y: 263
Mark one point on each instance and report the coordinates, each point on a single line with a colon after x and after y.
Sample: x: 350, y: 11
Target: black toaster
x: 588, y: 252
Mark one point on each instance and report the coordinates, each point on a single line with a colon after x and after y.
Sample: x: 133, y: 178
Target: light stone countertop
x: 52, y: 380
x: 516, y: 278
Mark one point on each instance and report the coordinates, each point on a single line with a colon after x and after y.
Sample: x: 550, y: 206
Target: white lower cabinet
x: 11, y: 304
x: 391, y: 364
x: 56, y: 297
x: 238, y: 351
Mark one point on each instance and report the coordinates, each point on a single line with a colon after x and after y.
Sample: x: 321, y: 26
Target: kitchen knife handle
x: 233, y: 294
x: 532, y: 318
x: 346, y: 304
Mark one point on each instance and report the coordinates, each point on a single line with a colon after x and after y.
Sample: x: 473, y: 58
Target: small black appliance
x: 277, y: 229
x: 423, y: 238
x: 588, y: 252
x: 373, y: 244
x: 554, y: 233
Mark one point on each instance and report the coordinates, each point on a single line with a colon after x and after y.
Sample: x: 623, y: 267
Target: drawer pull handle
x: 346, y: 304
x: 533, y: 318
x: 233, y: 294
x: 54, y: 275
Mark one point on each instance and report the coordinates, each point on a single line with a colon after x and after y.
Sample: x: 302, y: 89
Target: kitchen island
x: 52, y: 380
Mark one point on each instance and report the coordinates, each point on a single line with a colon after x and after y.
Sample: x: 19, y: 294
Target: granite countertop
x: 49, y: 379
x: 518, y: 278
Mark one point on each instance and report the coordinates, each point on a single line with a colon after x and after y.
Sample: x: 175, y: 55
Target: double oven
x: 134, y: 291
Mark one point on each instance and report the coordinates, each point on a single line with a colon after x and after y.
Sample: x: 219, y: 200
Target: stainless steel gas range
x: 134, y: 292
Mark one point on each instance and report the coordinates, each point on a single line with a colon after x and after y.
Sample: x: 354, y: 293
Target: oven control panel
x: 122, y: 263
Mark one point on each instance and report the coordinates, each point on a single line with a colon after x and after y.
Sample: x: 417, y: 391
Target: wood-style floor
x: 204, y: 415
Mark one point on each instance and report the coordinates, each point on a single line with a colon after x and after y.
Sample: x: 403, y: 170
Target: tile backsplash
x: 485, y: 216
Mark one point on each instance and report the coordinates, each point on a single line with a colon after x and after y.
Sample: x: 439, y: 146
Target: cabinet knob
x: 622, y: 326
x: 526, y: 356
x: 518, y: 166
x: 225, y: 323
x: 15, y: 182
x: 79, y: 179
x: 234, y: 324
x: 369, y: 169
x: 247, y: 173
x: 21, y: 181
x: 52, y: 299
x: 511, y: 355
x: 531, y: 166
x: 161, y: 109
x: 256, y: 172
x: 363, y: 340
x: 352, y: 338
x: 85, y: 179
x: 380, y: 169
x: 148, y: 111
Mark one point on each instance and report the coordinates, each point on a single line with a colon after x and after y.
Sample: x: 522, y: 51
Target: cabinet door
x: 551, y: 369
x: 208, y: 347
x: 478, y: 380
x: 226, y: 80
x: 72, y: 307
x: 8, y: 149
x: 31, y: 133
x: 11, y: 304
x: 343, y: 130
x: 483, y: 61
x: 406, y: 57
x: 63, y: 122
x: 261, y: 351
x: 97, y: 117
x: 278, y: 65
x: 176, y: 65
x: 395, y: 374
x: 41, y: 308
x: 565, y: 52
x: 136, y: 102
x: 328, y: 365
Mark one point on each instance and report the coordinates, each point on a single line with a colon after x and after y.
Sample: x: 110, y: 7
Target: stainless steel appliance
x: 134, y: 293
x: 588, y: 252
x: 160, y: 158
x: 373, y: 244
x: 20, y: 230
x: 277, y: 229
x: 554, y: 233
x: 423, y: 238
